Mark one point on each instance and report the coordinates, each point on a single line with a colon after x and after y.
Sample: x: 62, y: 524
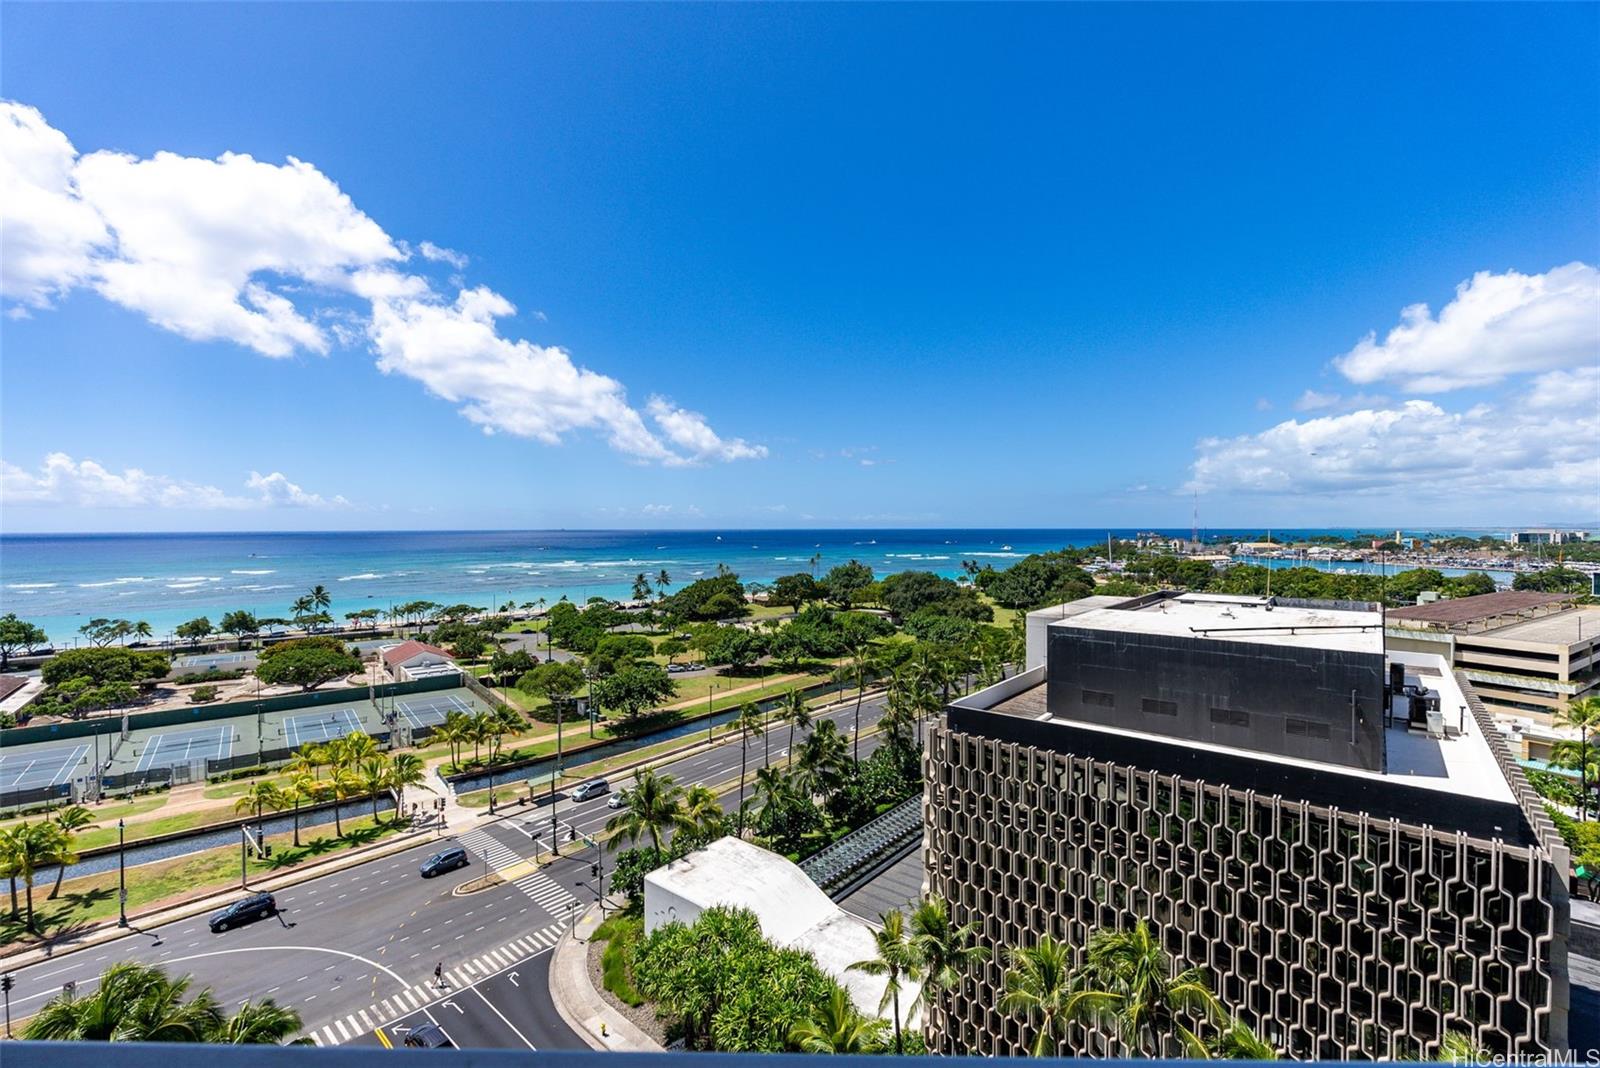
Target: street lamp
x: 711, y: 721
x: 122, y: 883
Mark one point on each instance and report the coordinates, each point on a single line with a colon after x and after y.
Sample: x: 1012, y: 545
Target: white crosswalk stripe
x: 464, y: 975
x: 543, y: 890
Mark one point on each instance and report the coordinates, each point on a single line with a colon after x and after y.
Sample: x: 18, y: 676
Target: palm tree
x: 373, y: 775
x: 142, y: 629
x: 481, y: 726
x: 405, y: 769
x: 301, y: 608
x: 454, y: 732
x: 771, y: 787
x: 258, y: 1023
x: 663, y: 580
x: 309, y: 759
x: 261, y: 795
x: 794, y: 711
x: 342, y: 783
x: 1037, y: 985
x: 836, y: 1027
x: 28, y: 848
x: 139, y: 1003
x: 858, y: 669
x: 1235, y: 1041
x: 70, y: 821
x: 655, y: 804
x: 704, y: 812
x: 132, y: 1003
x: 747, y: 723
x: 824, y: 759
x: 319, y: 598
x: 897, y: 961
x: 302, y: 787
x: 1129, y: 979
x: 946, y: 951
x: 1584, y: 717
x: 8, y: 865
x: 353, y: 748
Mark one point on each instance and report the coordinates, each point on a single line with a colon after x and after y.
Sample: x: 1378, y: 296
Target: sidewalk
x: 584, y: 1008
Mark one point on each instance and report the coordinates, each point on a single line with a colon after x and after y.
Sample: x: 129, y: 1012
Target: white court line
x: 66, y: 769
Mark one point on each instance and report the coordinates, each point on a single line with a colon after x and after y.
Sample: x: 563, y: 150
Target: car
x: 445, y: 860
x: 246, y: 910
x: 591, y: 788
x: 618, y: 800
x: 428, y: 1036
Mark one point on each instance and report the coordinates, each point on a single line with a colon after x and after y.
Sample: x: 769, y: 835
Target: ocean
x: 61, y: 581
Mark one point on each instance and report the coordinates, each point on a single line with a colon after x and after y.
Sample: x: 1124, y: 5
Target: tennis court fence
x: 253, y: 759
x: 35, y: 795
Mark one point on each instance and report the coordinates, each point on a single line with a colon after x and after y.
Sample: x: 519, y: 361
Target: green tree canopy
x: 18, y: 635
x: 633, y: 689
x: 300, y: 663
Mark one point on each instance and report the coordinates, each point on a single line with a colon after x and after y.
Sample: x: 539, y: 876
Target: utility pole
x: 122, y: 879
x: 555, y: 841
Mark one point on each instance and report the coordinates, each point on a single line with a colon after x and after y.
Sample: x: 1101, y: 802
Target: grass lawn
x: 94, y: 897
x: 622, y: 935
x: 111, y: 811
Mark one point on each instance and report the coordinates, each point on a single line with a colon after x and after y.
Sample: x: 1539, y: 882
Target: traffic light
x: 594, y: 870
x: 572, y: 834
x: 7, y: 982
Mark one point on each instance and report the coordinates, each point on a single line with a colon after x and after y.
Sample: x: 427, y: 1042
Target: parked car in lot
x: 445, y: 860
x: 428, y: 1036
x: 247, y: 910
x: 618, y: 800
x: 591, y: 788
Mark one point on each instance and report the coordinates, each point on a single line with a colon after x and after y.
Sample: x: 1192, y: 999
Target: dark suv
x: 445, y: 860
x: 428, y: 1036
x: 254, y: 907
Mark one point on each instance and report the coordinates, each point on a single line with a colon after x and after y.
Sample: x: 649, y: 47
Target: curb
x: 582, y: 1007
x: 107, y: 930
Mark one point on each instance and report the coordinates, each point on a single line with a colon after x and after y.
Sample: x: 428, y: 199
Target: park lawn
x: 94, y: 897
x: 111, y: 811
x: 92, y: 838
x: 1002, y: 616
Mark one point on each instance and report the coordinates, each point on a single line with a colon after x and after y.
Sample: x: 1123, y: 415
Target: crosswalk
x: 543, y: 890
x: 423, y: 994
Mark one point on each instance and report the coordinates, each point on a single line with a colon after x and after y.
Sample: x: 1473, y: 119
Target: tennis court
x: 171, y: 748
x: 215, y: 659
x: 40, y: 767
x: 430, y: 711
x: 320, y: 726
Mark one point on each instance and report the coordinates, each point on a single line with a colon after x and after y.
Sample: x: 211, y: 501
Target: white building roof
x: 792, y: 911
x: 1227, y: 617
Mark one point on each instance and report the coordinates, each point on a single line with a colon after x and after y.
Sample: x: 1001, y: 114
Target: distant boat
x: 1005, y: 548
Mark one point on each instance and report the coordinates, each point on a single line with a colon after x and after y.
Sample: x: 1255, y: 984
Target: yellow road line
x: 383, y: 1038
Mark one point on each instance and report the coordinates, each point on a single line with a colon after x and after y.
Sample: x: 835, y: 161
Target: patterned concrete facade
x: 1335, y: 932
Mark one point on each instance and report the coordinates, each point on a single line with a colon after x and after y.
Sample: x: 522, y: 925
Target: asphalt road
x: 356, y: 950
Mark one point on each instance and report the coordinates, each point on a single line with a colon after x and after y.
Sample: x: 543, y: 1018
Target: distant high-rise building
x: 1337, y: 835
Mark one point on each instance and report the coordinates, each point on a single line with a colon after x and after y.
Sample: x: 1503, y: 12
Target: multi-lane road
x: 354, y: 952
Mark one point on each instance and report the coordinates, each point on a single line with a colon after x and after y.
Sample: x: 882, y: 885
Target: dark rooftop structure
x: 1491, y: 609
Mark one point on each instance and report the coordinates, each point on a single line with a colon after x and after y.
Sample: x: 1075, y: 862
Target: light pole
x: 711, y: 721
x: 122, y: 887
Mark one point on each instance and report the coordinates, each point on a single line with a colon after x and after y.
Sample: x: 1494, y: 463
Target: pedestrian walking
x: 438, y: 975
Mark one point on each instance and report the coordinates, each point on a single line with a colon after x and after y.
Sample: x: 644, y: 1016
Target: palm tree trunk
x: 297, y: 823
x: 14, y: 907
x: 338, y: 828
x: 744, y: 747
x: 791, y: 743
x: 899, y: 1042
x: 27, y: 880
x: 856, y: 739
x: 61, y: 870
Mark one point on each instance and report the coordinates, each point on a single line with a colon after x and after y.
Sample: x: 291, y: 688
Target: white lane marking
x: 338, y: 1025
x: 503, y: 1019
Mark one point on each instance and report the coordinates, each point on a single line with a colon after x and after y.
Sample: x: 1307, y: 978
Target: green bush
x: 1582, y: 838
x: 201, y: 694
x: 1553, y: 787
x: 621, y: 935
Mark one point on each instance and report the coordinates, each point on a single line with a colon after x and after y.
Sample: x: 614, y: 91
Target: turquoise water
x: 61, y: 581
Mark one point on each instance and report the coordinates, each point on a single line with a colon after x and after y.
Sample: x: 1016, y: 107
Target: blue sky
x: 826, y: 265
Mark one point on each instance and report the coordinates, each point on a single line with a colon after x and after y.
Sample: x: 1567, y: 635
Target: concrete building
x: 791, y: 910
x: 417, y: 660
x: 1547, y: 536
x: 1526, y: 653
x: 1360, y: 867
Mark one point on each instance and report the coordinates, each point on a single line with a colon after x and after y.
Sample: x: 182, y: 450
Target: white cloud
x: 1497, y: 325
x: 61, y: 480
x: 690, y: 432
x: 1311, y: 400
x: 438, y: 254
x: 278, y: 259
x: 1543, y: 444
x: 48, y: 235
